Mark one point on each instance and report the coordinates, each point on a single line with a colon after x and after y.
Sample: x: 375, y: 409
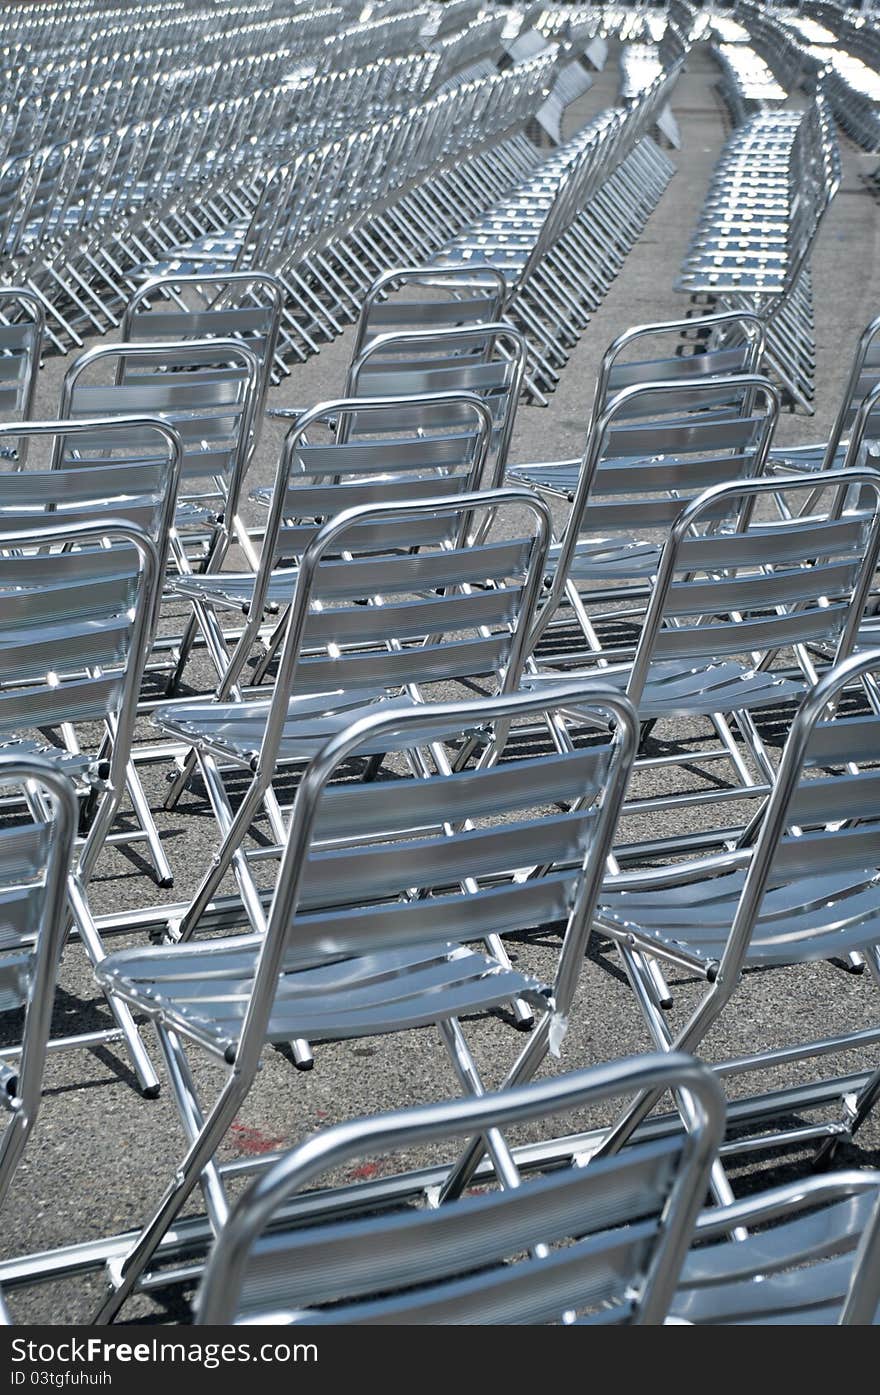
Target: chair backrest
x: 819, y: 1268
x: 731, y: 582
x: 864, y: 378
x: 206, y: 389
x: 404, y: 620
x: 734, y: 344
x: 442, y: 298
x: 233, y: 304
x: 488, y: 360
x: 124, y: 469
x: 821, y: 824
x: 614, y: 1233
x: 77, y: 603
x: 35, y: 858
x: 453, y: 856
x: 21, y: 341
x: 333, y: 460
x: 650, y: 450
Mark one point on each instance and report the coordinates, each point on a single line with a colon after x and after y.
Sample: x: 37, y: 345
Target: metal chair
x: 21, y: 343
x: 230, y: 305
x: 208, y: 391
x: 385, y: 625
x: 536, y: 1252
x: 35, y: 860
x: 442, y: 298
x: 374, y: 904
x: 799, y: 885
x: 77, y: 605
x: 743, y: 610
x: 340, y: 454
x: 445, y: 331
x: 864, y: 377
x: 124, y: 469
x: 653, y: 446
x: 819, y: 1268
x: 725, y: 344
x: 486, y: 359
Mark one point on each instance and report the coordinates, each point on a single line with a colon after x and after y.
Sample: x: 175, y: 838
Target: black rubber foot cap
x: 305, y: 1065
x: 151, y: 1092
x: 166, y: 882
x: 527, y: 1026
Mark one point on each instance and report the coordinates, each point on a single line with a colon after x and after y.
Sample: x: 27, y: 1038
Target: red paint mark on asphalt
x: 254, y: 1141
x: 364, y: 1171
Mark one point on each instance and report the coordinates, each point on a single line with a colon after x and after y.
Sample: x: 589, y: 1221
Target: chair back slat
x: 604, y: 1243
x: 448, y: 1265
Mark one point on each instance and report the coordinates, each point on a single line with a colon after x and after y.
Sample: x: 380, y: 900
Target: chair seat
x: 806, y: 918
x: 674, y: 690
x: 204, y: 989
x: 235, y: 589
x: 78, y: 765
x: 606, y: 559
x: 715, y: 1286
x: 190, y: 514
x: 869, y: 633
x: 236, y: 728
x: 558, y: 476
x: 808, y: 458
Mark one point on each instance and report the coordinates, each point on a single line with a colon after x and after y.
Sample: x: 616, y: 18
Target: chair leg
x: 187, y: 640
x: 664, y: 1041
x: 179, y: 779
x: 125, y: 1275
x: 273, y: 644
x: 527, y: 1063
x: 466, y: 1069
x: 140, y: 804
x: 233, y: 830
x: 147, y: 1078
x: 867, y: 1097
x: 193, y: 1120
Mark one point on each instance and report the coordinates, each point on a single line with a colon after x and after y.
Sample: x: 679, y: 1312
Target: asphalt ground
x: 101, y: 1155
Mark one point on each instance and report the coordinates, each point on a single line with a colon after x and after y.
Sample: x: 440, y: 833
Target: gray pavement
x: 101, y: 1155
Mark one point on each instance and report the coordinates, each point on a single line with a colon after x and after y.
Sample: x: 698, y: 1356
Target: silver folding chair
x: 415, y: 298
x: 208, y: 391
x: 539, y: 1252
x: 377, y: 898
x: 35, y: 860
x: 863, y: 379
x: 406, y: 300
x: 339, y: 455
x: 420, y: 603
x: 817, y: 1264
x: 126, y: 469
x: 486, y: 359
x: 77, y: 604
x: 229, y: 305
x: 744, y: 611
x: 723, y: 343
x: 21, y: 344
x: 800, y: 885
x: 653, y: 446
